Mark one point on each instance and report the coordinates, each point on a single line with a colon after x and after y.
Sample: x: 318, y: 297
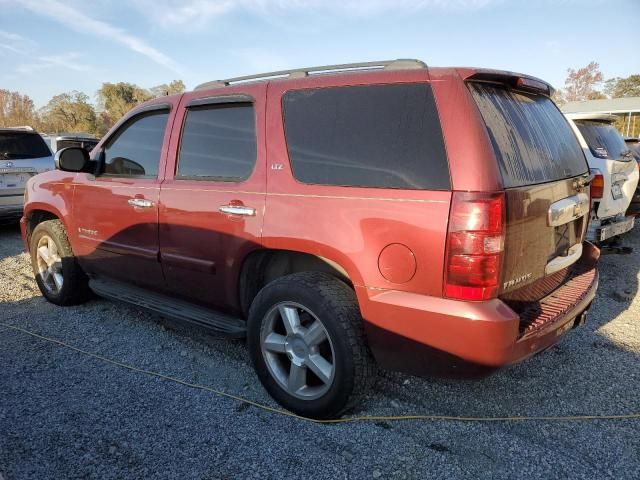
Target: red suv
x: 428, y: 220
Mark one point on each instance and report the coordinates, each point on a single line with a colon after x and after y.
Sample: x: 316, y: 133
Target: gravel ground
x: 67, y: 415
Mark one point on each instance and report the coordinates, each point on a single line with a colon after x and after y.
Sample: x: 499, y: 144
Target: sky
x: 49, y: 47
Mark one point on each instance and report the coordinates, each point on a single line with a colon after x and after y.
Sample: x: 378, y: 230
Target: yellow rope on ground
x: 267, y: 408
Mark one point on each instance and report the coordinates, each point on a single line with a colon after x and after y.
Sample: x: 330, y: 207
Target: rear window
x: 531, y: 138
x: 17, y: 145
x: 385, y: 136
x: 603, y: 140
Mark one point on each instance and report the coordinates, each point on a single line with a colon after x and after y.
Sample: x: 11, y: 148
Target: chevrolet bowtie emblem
x: 577, y: 210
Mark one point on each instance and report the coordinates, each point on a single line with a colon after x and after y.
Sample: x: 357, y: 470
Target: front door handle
x: 238, y: 210
x: 140, y: 203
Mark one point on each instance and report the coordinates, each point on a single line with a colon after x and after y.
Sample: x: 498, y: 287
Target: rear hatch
x: 612, y: 156
x: 543, y: 173
x: 21, y: 156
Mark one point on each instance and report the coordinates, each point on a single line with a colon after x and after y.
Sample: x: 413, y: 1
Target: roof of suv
x: 399, y: 64
x: 368, y: 67
x: 600, y: 117
x: 83, y: 136
x: 25, y: 129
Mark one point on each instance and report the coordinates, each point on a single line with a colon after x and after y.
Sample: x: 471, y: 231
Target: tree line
x: 72, y: 111
x: 587, y: 83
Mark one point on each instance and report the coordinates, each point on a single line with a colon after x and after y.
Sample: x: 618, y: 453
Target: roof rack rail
x: 398, y: 64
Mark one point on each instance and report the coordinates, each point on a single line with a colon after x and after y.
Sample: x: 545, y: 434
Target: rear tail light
x: 597, y: 184
x: 475, y: 244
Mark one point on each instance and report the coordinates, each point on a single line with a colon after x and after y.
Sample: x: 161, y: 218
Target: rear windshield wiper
x: 626, y: 155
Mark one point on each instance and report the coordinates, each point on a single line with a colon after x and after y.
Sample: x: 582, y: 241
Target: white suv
x: 615, y: 174
x: 23, y: 154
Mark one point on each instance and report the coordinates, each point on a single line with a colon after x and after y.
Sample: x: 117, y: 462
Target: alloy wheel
x: 49, y: 264
x: 297, y: 350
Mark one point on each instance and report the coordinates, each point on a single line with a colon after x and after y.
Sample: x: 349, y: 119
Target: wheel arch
x: 35, y: 216
x: 263, y: 266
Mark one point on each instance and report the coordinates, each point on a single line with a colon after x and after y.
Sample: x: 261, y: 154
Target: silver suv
x: 63, y: 140
x: 23, y: 154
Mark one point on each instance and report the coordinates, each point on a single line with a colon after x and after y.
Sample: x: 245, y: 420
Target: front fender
x: 50, y: 192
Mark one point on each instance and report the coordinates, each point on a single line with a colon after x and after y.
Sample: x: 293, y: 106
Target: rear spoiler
x: 515, y: 80
x: 599, y: 117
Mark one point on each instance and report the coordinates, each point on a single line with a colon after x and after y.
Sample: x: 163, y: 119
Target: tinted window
x: 218, y: 142
x: 135, y: 150
x: 603, y: 140
x: 16, y: 145
x: 370, y: 136
x: 86, y: 144
x: 531, y: 138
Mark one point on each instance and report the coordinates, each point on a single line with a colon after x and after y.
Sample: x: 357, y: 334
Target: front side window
x: 218, y: 143
x: 384, y: 136
x: 135, y: 149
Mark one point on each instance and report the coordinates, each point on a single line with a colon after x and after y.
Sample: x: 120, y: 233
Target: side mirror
x: 72, y: 159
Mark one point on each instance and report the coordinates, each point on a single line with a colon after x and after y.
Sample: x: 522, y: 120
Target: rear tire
x: 307, y: 344
x: 57, y: 272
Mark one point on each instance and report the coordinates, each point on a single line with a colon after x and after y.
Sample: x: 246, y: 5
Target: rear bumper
x: 603, y: 229
x: 634, y: 207
x: 425, y: 335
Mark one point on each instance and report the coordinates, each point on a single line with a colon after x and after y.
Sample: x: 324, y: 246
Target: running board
x: 170, y: 307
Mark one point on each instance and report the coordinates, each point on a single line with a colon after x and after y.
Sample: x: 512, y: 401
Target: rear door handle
x: 238, y: 210
x: 140, y: 203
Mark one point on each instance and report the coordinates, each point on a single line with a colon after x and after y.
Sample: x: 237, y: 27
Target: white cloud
x: 15, y: 43
x: 260, y: 60
x: 196, y: 13
x: 14, y: 37
x: 75, y: 19
x: 68, y: 61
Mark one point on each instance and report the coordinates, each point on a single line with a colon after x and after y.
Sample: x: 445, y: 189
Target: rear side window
x: 218, y: 142
x: 603, y: 140
x: 17, y: 145
x: 531, y: 138
x: 385, y: 136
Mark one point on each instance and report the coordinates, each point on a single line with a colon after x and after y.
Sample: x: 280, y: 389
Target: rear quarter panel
x: 350, y: 225
x: 472, y: 162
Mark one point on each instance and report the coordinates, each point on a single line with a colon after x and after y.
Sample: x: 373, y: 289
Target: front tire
x: 58, y: 275
x: 307, y: 344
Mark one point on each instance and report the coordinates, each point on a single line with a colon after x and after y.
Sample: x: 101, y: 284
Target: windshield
x: 17, y: 145
x: 532, y: 140
x: 603, y: 140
